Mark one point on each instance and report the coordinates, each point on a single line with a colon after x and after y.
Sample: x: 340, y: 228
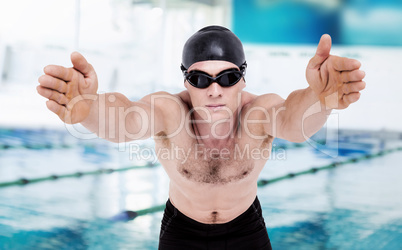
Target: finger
x: 65, y: 74
x: 52, y: 95
x: 322, y: 53
x: 351, y: 98
x: 352, y: 76
x: 43, y: 91
x: 348, y: 88
x: 345, y: 64
x: 50, y: 82
x: 81, y: 64
x: 56, y: 108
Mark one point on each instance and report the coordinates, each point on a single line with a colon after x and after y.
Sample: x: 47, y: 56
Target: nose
x: 214, y: 90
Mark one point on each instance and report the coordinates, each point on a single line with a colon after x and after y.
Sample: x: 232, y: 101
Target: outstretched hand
x: 70, y: 91
x: 335, y: 80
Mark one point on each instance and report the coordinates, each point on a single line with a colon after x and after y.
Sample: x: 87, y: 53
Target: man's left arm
x: 334, y: 83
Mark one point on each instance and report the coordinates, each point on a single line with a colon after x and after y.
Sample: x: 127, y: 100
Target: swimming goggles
x: 225, y: 78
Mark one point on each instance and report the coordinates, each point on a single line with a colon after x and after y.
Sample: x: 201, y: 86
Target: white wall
x: 137, y: 49
x: 280, y: 69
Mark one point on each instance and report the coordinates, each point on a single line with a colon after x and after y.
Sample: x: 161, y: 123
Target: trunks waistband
x: 254, y: 211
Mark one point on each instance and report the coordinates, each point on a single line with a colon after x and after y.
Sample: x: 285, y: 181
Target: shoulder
x: 163, y: 100
x: 168, y: 106
x: 268, y: 100
x: 259, y: 111
x: 166, y: 111
x: 265, y: 101
x: 184, y: 97
x: 160, y: 95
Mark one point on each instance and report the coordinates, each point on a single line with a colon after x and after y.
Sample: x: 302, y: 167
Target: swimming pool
x: 351, y: 206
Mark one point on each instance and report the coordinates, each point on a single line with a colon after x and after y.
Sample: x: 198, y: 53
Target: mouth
x: 215, y: 107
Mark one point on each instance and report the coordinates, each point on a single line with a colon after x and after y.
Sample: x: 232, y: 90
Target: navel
x: 214, y: 216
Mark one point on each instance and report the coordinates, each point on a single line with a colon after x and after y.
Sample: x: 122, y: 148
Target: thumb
x: 322, y: 53
x: 81, y: 64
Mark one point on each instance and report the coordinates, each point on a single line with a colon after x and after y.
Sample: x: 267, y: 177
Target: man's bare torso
x: 213, y: 184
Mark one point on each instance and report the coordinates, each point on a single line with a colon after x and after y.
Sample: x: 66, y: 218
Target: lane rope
x: 260, y: 183
x: 24, y: 181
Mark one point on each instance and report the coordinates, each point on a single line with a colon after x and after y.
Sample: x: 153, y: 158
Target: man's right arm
x: 112, y: 116
x: 115, y: 118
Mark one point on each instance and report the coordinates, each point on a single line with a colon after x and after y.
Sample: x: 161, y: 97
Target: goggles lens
x: 202, y: 80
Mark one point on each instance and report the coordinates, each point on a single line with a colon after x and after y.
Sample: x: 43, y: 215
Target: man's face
x: 215, y: 102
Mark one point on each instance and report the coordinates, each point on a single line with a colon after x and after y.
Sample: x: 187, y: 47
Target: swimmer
x: 216, y: 136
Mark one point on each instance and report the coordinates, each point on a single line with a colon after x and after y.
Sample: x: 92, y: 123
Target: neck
x: 215, y: 134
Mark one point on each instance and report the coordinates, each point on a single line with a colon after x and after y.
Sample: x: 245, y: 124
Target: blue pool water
x: 353, y: 206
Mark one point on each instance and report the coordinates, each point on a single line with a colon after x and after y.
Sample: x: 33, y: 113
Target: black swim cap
x: 213, y: 43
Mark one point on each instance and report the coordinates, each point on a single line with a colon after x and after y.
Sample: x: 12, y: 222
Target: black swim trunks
x: 247, y: 231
